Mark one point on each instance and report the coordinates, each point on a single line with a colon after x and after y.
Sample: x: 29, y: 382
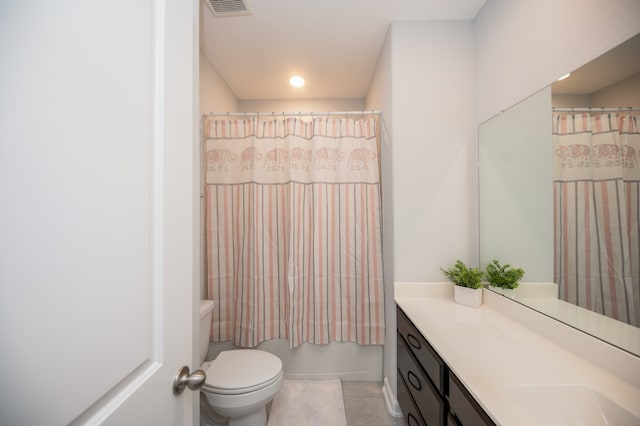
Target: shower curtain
x: 597, y: 212
x: 294, y: 230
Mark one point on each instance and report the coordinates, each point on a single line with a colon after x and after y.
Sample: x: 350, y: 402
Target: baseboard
x: 393, y: 408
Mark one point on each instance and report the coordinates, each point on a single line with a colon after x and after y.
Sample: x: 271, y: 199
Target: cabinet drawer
x: 431, y: 405
x: 425, y: 354
x: 463, y: 406
x: 409, y: 411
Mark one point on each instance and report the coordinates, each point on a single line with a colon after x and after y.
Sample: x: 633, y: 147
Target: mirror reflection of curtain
x: 597, y: 212
x: 293, y: 230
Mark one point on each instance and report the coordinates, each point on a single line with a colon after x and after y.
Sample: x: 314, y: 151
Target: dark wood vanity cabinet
x: 464, y: 409
x: 410, y: 412
x: 422, y: 373
x: 428, y: 392
x: 428, y: 403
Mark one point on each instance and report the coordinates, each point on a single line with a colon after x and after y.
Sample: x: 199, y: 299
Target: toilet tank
x: 206, y: 308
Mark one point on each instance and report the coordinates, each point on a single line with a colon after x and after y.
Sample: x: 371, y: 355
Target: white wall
x: 624, y: 93
x: 379, y: 98
x: 215, y: 95
x: 434, y: 134
x: 516, y: 202
x: 522, y: 46
x: 301, y: 105
x: 423, y: 83
x: 566, y: 101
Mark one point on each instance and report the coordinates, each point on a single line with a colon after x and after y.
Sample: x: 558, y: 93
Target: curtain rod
x: 595, y: 109
x: 312, y: 113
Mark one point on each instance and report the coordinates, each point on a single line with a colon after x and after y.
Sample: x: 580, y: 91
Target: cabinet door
x: 427, y: 357
x: 463, y: 406
x: 410, y: 412
x: 431, y: 405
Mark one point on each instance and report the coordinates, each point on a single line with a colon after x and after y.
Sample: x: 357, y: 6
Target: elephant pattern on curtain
x: 597, y: 212
x: 293, y: 229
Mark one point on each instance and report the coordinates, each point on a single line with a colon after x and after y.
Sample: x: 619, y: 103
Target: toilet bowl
x: 240, y: 383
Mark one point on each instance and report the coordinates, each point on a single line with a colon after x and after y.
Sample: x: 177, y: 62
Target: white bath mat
x: 308, y: 403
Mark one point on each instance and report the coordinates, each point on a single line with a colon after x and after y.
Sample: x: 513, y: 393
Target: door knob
x: 183, y: 379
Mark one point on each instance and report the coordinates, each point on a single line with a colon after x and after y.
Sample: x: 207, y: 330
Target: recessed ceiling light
x: 296, y: 81
x: 564, y: 76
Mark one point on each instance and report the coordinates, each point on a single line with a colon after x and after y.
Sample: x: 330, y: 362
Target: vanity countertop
x: 500, y: 359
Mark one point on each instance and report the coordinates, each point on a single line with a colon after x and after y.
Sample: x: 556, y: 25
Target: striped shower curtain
x: 597, y: 212
x: 293, y: 230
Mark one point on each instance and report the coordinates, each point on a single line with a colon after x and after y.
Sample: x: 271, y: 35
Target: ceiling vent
x: 224, y: 8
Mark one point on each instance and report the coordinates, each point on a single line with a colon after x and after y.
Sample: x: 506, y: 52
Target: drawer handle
x: 413, y: 341
x: 411, y: 420
x: 414, y: 380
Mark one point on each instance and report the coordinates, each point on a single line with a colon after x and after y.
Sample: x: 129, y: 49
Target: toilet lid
x: 242, y: 370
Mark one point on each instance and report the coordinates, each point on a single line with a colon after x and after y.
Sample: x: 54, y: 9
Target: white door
x: 98, y: 194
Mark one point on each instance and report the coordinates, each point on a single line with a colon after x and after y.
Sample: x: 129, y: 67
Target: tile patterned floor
x: 364, y: 405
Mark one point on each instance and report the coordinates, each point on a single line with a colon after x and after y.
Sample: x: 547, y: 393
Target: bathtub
x: 338, y: 360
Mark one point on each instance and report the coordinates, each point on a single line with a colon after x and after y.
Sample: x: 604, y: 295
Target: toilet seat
x: 239, y: 391
x: 242, y: 371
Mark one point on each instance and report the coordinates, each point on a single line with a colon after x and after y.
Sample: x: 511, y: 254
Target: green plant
x: 464, y: 276
x: 503, y: 276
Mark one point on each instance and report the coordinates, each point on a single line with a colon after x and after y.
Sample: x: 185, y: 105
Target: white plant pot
x: 467, y: 296
x: 495, y: 289
x: 510, y: 292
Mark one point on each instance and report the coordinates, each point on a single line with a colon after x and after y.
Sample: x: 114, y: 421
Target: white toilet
x: 240, y: 383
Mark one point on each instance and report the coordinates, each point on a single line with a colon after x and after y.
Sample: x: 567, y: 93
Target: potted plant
x: 503, y: 279
x: 468, y: 286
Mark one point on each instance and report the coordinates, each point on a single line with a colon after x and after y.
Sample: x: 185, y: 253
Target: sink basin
x: 569, y: 405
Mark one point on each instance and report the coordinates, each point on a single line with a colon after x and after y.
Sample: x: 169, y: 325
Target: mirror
x: 517, y: 205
